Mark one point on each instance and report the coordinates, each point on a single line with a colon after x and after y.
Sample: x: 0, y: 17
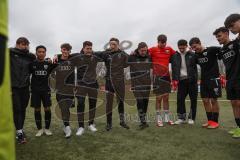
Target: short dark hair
x: 162, y: 38
x: 87, y: 43
x: 114, y: 39
x: 182, y: 42
x: 194, y: 40
x: 66, y: 46
x: 220, y: 29
x: 232, y: 18
x: 41, y: 46
x: 22, y: 40
x: 142, y: 45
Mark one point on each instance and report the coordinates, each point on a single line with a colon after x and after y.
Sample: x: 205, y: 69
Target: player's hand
x: 223, y: 81
x: 175, y: 85
x: 55, y: 59
x: 132, y: 53
x: 49, y: 60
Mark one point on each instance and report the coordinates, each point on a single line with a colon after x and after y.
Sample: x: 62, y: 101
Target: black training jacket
x: 20, y: 67
x: 191, y: 63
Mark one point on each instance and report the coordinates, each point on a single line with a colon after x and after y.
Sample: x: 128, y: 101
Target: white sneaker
x: 160, y: 123
x: 92, y: 128
x: 67, y: 130
x: 190, y: 121
x: 179, y: 121
x: 80, y: 131
x: 47, y: 132
x: 39, y: 133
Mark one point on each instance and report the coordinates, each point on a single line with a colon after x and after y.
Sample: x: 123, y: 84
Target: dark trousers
x: 20, y: 99
x: 142, y: 105
x: 65, y: 103
x: 118, y: 88
x: 84, y: 90
x: 92, y: 99
x: 185, y: 87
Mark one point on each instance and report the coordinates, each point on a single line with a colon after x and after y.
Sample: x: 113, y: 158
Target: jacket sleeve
x: 126, y: 56
x: 102, y: 55
x: 174, y: 68
x: 172, y: 53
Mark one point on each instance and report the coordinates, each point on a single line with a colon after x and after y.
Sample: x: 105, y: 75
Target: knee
x: 206, y: 101
x: 47, y: 109
x: 238, y: 103
x: 235, y: 103
x: 159, y: 98
x: 214, y: 101
x: 37, y: 109
x: 166, y: 98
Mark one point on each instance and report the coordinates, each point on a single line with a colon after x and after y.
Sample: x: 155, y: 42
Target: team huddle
x: 75, y: 76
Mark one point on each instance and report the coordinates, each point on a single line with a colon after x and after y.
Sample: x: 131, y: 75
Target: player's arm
x: 126, y: 57
x: 101, y: 55
x: 175, y: 79
x: 172, y: 53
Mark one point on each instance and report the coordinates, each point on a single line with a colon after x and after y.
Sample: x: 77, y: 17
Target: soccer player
x: 21, y: 59
x: 184, y: 78
x: 231, y: 57
x: 65, y: 86
x: 161, y: 55
x: 232, y: 22
x: 86, y: 62
x: 210, y: 86
x: 115, y: 60
x: 40, y: 70
x: 140, y: 68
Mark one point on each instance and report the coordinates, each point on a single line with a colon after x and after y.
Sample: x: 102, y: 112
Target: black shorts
x: 161, y: 85
x: 233, y: 90
x: 38, y: 98
x: 211, y: 88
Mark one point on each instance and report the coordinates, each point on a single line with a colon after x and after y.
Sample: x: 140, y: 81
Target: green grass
x: 182, y: 142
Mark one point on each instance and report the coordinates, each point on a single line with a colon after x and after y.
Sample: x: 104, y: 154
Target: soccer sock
x: 166, y: 115
x: 237, y: 120
x: 47, y: 119
x: 215, y: 116
x: 209, y: 116
x: 158, y: 115
x: 38, y: 119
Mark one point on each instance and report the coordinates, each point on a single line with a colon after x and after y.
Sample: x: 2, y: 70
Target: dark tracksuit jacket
x: 140, y: 68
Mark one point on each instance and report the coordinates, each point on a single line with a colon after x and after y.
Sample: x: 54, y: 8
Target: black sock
x: 237, y: 120
x: 209, y: 116
x: 215, y: 116
x: 109, y: 118
x: 47, y: 119
x: 38, y: 119
x: 66, y: 123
